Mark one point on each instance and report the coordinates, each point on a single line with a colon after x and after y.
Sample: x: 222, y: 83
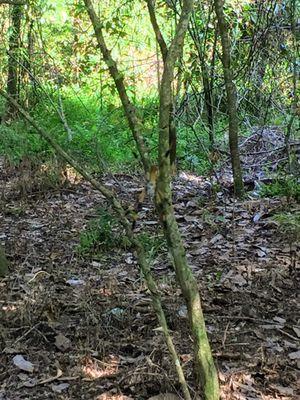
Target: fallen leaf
x: 182, y: 311
x: 297, y: 331
x: 62, y: 342
x: 280, y: 320
x: 257, y: 217
x: 284, y: 390
x: 295, y: 355
x: 239, y: 280
x: 75, y: 282
x: 216, y: 239
x: 166, y: 396
x: 260, y: 253
x: 60, y: 388
x: 20, y: 362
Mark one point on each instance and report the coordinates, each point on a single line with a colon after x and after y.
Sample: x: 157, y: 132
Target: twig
x: 288, y: 335
x: 225, y: 335
x: 62, y: 115
x: 25, y: 334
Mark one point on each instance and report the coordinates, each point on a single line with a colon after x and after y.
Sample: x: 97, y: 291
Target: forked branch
x: 130, y: 111
x: 136, y: 244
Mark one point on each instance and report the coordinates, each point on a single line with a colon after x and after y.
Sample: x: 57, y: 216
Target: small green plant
x: 289, y: 187
x: 153, y: 244
x: 288, y: 225
x: 102, y: 234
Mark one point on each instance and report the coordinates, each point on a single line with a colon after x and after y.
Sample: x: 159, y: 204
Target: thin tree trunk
x: 206, y: 81
x: 205, y: 368
x: 13, y: 65
x: 208, y: 102
x: 295, y: 83
x: 164, y: 52
x: 231, y: 100
x: 31, y: 92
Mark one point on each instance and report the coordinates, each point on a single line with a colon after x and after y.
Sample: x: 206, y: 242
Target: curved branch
x: 130, y: 111
x: 158, y: 34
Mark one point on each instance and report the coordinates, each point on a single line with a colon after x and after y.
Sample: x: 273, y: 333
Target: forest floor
x: 85, y: 324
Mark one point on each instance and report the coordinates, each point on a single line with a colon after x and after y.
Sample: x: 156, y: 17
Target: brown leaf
x: 20, y: 362
x: 166, y: 396
x: 62, y: 342
x: 60, y: 388
x: 295, y: 355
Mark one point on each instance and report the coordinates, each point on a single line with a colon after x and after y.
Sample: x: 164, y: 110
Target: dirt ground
x: 84, y: 321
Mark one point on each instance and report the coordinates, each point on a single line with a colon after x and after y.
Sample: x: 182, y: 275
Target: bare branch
x: 159, y: 37
x: 130, y: 111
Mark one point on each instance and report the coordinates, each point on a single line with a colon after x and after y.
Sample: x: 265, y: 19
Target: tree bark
x: 164, y: 52
x: 13, y: 65
x: 231, y: 100
x: 205, y: 368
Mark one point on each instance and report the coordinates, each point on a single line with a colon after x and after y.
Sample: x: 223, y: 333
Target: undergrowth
x: 288, y: 225
x: 101, y: 137
x: 102, y: 234
x: 288, y: 187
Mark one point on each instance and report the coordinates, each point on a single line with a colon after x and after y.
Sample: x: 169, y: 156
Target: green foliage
x: 288, y: 187
x: 102, y: 235
x: 153, y: 244
x: 288, y: 225
x: 18, y: 142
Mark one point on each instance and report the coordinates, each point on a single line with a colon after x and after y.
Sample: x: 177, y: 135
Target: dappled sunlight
x: 242, y: 386
x: 66, y: 172
x: 9, y: 308
x: 72, y: 175
x: 93, y: 368
x: 109, y: 396
x: 105, y: 292
x: 195, y: 179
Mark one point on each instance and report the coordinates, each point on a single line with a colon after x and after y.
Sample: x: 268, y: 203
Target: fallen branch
x: 136, y: 244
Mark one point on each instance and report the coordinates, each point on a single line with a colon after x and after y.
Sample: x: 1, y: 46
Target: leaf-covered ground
x: 84, y: 322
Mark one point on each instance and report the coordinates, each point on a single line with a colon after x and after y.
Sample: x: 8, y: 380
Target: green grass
x: 102, y: 235
x: 288, y: 187
x: 288, y: 225
x: 102, y: 139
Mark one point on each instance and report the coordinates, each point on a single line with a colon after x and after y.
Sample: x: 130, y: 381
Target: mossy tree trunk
x: 205, y: 368
x: 12, y: 85
x: 231, y: 100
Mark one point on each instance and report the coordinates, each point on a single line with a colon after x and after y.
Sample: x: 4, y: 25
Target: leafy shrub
x: 289, y: 187
x: 102, y: 234
x: 288, y: 225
